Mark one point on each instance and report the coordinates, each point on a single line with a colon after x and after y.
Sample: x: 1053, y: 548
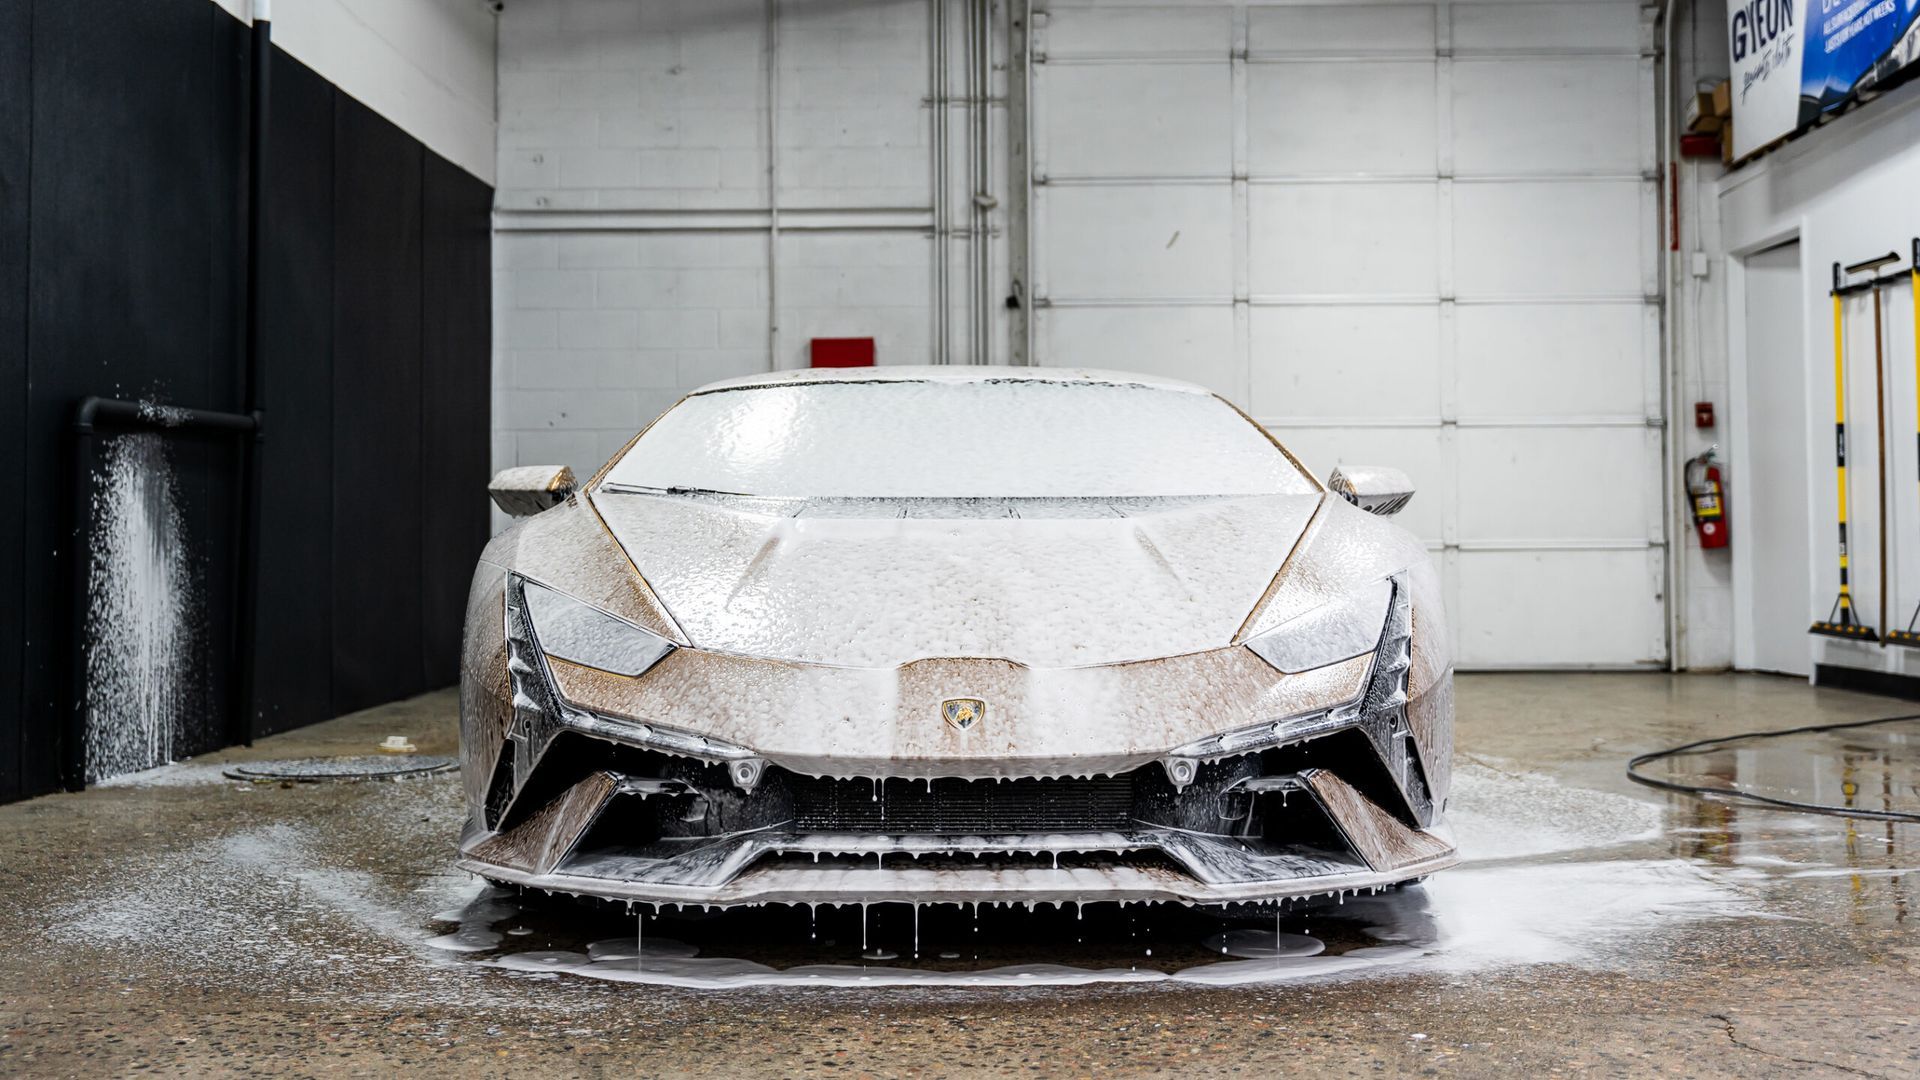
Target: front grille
x: 954, y: 806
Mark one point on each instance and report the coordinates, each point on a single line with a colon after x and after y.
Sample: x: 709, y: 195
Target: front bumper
x: 1338, y: 799
x: 778, y: 867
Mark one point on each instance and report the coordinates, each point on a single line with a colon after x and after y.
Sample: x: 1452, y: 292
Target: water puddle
x: 1865, y: 770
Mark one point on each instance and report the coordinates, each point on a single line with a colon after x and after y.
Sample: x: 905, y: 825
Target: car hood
x: 878, y: 583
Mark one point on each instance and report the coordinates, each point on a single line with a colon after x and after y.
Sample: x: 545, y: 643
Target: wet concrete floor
x: 179, y: 922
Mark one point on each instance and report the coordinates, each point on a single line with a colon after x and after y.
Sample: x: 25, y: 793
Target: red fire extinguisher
x: 1709, y: 507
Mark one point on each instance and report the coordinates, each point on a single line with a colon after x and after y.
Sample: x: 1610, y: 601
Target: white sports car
x: 954, y: 634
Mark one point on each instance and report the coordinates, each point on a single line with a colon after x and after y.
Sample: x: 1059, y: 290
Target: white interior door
x: 1410, y: 234
x: 1770, y: 496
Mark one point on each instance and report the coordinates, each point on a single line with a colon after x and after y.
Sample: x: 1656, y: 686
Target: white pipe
x: 973, y: 188
x: 773, y: 184
x: 1676, y: 575
x: 942, y: 255
x: 982, y: 184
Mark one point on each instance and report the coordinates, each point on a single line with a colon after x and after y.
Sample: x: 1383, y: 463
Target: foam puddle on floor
x: 1472, y: 918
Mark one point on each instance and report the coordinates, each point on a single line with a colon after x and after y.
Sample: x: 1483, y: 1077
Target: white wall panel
x: 1520, y: 609
x: 1194, y: 343
x: 1571, y: 27
x: 1322, y: 117
x: 1558, y: 115
x: 1553, y: 483
x: 1142, y: 120
x: 1140, y: 241
x: 1548, y: 239
x: 1328, y: 361
x: 1343, y: 29
x: 1175, y: 30
x: 1551, y: 360
x: 1346, y: 239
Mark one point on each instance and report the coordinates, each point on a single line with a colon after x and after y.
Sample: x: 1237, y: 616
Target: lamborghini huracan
x: 954, y: 635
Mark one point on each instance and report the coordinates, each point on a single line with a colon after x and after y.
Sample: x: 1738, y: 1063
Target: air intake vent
x: 973, y: 807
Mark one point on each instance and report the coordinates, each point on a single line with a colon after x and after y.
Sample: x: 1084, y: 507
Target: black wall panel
x: 16, y: 127
x: 456, y: 373
x: 294, y: 657
x: 130, y: 204
x: 376, y: 410
x: 123, y: 153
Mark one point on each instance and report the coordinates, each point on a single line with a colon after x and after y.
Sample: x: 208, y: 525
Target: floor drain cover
x: 315, y: 770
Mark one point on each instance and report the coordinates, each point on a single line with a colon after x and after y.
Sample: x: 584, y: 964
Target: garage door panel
x: 1556, y: 115
x: 1191, y: 343
x: 1436, y: 219
x: 1347, y: 361
x: 1530, y: 238
x: 1184, y: 30
x: 1341, y: 117
x: 1587, y: 25
x: 1340, y: 29
x: 1140, y: 120
x: 1558, y: 608
x: 1343, y: 239
x: 1150, y: 241
x: 1415, y: 450
x: 1556, y: 484
x: 1542, y: 360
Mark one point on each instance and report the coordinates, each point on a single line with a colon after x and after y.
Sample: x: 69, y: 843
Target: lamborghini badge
x: 964, y: 712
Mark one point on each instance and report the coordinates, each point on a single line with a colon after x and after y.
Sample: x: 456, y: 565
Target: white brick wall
x: 632, y: 255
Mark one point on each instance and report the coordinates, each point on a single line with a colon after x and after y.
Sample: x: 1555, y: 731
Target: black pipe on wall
x: 241, y: 709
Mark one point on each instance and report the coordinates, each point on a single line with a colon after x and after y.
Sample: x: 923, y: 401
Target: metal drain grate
x: 319, y: 770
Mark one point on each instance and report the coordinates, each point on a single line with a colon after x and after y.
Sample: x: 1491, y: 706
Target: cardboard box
x: 1726, y: 144
x: 1698, y: 118
x: 1723, y: 100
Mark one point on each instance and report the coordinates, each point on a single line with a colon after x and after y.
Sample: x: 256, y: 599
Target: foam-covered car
x: 954, y: 634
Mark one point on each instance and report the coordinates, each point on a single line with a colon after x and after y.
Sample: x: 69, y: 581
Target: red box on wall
x: 843, y: 352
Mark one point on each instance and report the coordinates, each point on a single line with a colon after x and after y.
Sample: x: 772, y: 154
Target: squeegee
x: 1841, y: 621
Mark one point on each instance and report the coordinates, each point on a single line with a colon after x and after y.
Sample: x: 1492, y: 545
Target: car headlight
x: 1376, y: 617
x: 1336, y: 631
x: 582, y: 634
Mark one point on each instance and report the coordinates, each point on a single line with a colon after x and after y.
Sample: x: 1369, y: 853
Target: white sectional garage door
x: 1412, y: 235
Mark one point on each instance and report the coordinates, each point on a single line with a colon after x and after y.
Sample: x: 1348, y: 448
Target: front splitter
x: 986, y: 884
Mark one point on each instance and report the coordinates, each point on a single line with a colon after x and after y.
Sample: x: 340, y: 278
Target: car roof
x: 950, y: 373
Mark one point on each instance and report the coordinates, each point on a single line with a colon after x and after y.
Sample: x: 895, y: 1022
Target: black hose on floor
x: 1702, y: 791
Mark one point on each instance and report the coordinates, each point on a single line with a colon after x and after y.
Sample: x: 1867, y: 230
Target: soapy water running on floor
x: 1462, y: 919
x: 1553, y: 874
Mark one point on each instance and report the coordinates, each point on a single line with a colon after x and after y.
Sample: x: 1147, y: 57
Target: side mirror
x: 528, y: 489
x: 1373, y: 488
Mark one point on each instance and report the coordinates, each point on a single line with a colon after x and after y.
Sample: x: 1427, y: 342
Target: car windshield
x: 958, y: 439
